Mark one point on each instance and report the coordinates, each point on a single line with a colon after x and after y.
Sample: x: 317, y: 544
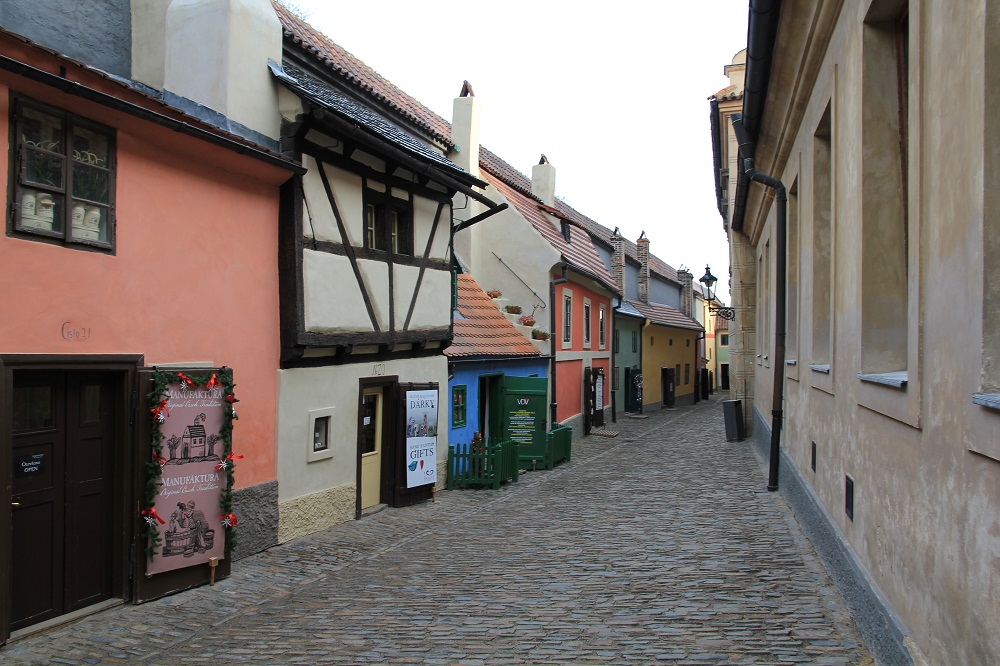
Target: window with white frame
x: 567, y: 322
x: 586, y: 322
x: 602, y: 324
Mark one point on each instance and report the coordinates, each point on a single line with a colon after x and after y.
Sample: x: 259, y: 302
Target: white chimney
x: 215, y: 53
x: 465, y: 130
x: 543, y: 181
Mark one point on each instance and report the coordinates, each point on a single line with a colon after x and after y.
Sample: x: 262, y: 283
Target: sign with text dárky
x: 421, y: 437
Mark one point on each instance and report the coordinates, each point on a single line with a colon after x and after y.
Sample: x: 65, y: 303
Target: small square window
x: 321, y: 434
x: 321, y: 431
x: 63, y: 176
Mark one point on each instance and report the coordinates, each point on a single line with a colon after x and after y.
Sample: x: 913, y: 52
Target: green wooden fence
x: 560, y: 444
x: 482, y: 465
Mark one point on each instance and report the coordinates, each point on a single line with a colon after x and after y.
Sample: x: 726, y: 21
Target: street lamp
x: 708, y: 291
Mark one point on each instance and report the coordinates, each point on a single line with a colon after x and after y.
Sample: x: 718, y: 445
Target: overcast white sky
x: 613, y: 93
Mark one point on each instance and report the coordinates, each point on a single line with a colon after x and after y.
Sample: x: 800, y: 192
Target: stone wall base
x: 882, y: 630
x: 317, y: 511
x: 257, y: 509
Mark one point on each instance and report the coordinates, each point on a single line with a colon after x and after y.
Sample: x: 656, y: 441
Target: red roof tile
x: 664, y: 315
x: 579, y: 252
x: 361, y: 75
x: 482, y: 329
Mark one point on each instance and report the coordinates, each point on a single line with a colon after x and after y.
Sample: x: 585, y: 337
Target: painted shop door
x: 62, y: 499
x: 633, y: 388
x: 371, y: 447
x: 669, y: 386
x: 525, y: 416
x: 491, y: 406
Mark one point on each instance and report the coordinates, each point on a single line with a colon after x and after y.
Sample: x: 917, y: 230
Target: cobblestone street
x: 659, y: 545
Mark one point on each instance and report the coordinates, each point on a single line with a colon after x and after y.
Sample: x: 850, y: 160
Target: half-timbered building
x: 365, y: 283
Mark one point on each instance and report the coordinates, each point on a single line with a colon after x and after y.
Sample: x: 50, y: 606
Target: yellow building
x: 671, y: 356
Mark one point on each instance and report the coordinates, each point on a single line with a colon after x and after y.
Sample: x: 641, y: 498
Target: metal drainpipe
x: 552, y: 343
x: 777, y: 395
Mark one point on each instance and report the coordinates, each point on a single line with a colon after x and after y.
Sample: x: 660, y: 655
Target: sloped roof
x: 308, y: 86
x: 602, y: 233
x: 628, y: 311
x: 727, y: 94
x: 362, y: 77
x: 579, y: 252
x: 482, y: 330
x: 664, y: 315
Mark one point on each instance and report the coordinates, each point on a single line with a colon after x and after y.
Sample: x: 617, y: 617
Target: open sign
x: 29, y: 465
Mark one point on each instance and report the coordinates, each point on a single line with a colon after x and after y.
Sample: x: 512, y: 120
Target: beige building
x: 876, y: 303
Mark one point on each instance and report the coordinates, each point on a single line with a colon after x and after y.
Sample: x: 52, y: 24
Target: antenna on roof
x: 544, y: 159
x: 466, y: 90
x: 615, y: 232
x: 642, y: 235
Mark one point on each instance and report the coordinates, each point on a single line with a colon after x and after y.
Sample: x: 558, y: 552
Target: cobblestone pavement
x: 660, y: 545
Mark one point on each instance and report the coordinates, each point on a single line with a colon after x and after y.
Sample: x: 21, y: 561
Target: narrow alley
x: 659, y: 545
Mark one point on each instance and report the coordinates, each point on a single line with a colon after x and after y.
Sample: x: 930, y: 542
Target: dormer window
x: 566, y: 232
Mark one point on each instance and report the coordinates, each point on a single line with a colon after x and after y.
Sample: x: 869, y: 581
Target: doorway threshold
x: 372, y: 510
x: 63, y: 619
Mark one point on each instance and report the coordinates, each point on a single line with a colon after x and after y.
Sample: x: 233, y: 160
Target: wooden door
x: 669, y: 386
x: 62, y: 495
x: 371, y: 447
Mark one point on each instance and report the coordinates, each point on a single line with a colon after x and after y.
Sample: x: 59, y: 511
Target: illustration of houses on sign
x: 194, y: 442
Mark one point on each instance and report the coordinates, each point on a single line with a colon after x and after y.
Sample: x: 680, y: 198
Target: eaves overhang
x: 362, y: 125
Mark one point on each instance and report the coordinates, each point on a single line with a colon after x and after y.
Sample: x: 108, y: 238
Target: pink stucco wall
x: 194, y: 277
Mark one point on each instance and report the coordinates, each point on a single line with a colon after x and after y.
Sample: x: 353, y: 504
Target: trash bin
x: 732, y: 410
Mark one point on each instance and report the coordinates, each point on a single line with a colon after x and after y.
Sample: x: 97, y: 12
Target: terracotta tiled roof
x: 602, y: 233
x: 729, y: 93
x: 579, y: 252
x: 721, y: 324
x: 482, y: 330
x: 361, y: 75
x: 664, y: 315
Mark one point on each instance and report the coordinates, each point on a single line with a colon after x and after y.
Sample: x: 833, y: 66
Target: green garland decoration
x: 154, y: 469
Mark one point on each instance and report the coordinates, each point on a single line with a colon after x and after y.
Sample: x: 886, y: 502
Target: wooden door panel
x: 89, y: 489
x: 37, y: 563
x: 63, y: 491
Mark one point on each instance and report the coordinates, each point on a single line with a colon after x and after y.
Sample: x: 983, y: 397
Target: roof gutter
x: 778, y: 387
x: 761, y: 33
x: 91, y: 95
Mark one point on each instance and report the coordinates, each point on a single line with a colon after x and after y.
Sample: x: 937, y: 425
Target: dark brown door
x: 62, y: 494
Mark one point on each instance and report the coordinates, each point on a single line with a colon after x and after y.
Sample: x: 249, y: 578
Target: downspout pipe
x: 552, y: 344
x: 778, y: 391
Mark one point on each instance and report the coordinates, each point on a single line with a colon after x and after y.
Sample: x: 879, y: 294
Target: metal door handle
x: 15, y: 504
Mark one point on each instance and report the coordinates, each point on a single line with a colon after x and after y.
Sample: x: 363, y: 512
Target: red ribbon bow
x: 152, y: 512
x: 160, y: 412
x: 225, y: 461
x: 186, y: 380
x: 229, y: 520
x: 160, y: 459
x: 213, y: 382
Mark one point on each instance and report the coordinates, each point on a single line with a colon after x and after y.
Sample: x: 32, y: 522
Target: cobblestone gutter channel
x: 660, y: 545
